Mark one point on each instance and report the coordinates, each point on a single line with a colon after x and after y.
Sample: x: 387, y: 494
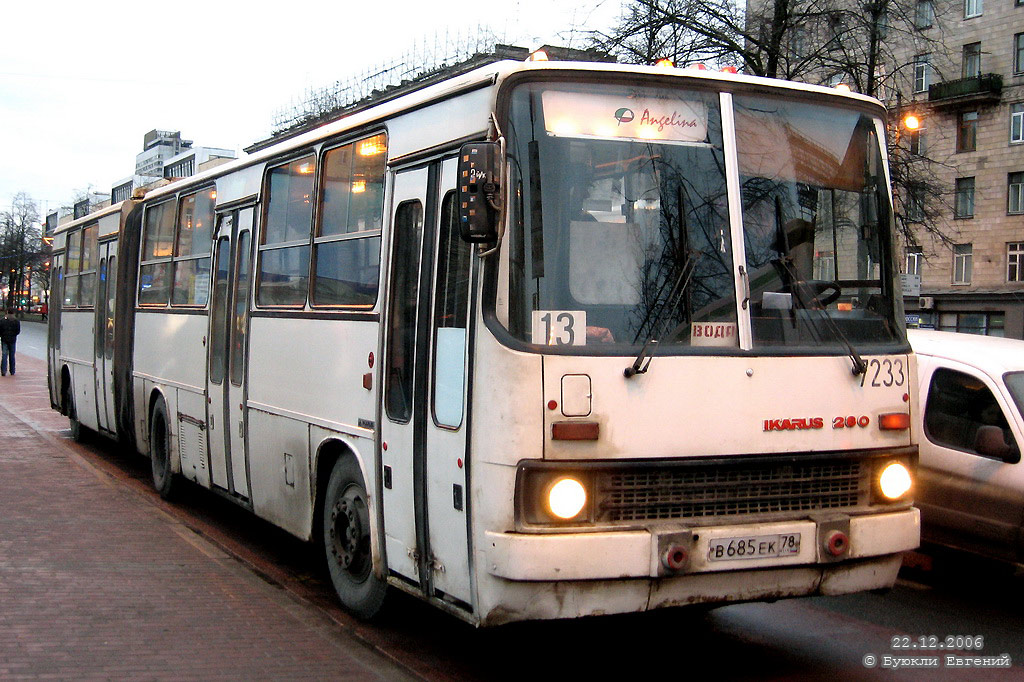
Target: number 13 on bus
x: 523, y: 364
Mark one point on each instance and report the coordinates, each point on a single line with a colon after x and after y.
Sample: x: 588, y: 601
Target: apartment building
x: 966, y: 79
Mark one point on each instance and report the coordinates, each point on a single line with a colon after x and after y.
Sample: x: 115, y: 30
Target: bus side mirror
x: 479, y: 191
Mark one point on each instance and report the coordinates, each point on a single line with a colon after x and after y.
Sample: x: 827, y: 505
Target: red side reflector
x: 575, y: 430
x: 896, y: 421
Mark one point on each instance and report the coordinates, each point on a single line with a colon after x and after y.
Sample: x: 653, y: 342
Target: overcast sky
x: 81, y: 83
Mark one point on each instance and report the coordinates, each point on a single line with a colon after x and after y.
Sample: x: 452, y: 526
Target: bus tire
x: 79, y: 433
x: 346, y: 531
x: 160, y: 451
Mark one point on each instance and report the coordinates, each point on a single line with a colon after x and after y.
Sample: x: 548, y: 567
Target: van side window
x: 958, y: 405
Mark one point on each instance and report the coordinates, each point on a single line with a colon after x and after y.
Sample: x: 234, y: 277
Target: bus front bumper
x: 616, y: 555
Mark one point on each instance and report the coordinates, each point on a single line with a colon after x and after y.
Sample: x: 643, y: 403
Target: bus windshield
x: 620, y: 225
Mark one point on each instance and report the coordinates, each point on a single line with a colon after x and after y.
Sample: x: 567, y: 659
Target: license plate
x: 754, y: 547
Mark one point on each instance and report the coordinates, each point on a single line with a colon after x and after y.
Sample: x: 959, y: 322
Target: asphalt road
x: 32, y: 340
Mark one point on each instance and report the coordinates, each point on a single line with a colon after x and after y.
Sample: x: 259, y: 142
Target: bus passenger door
x: 445, y: 419
x: 423, y: 429
x: 53, y: 305
x: 104, y: 336
x: 402, y: 530
x: 226, y: 354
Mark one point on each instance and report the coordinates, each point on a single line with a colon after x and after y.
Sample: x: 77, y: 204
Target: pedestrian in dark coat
x: 10, y: 327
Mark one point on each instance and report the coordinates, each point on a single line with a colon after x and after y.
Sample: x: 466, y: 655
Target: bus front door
x: 227, y: 351
x: 423, y: 429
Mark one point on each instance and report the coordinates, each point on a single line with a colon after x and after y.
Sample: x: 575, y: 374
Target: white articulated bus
x: 541, y: 340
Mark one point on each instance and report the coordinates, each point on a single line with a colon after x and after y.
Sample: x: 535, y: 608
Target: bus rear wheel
x: 78, y: 432
x: 160, y: 451
x: 346, y: 531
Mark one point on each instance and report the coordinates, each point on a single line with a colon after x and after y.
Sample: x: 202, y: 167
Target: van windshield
x: 1015, y: 383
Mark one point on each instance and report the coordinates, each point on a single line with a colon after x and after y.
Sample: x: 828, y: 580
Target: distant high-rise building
x: 158, y: 146
x: 165, y: 156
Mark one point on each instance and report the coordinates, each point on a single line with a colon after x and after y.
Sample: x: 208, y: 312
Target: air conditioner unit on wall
x: 926, y: 302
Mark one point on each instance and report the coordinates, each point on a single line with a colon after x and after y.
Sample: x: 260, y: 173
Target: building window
x: 918, y: 142
x: 971, y: 60
x: 1017, y: 123
x: 964, y: 206
x: 915, y: 203
x: 972, y: 8
x: 963, y: 263
x: 824, y: 266
x: 1015, y: 262
x: 1016, y: 193
x: 967, y: 132
x: 991, y: 324
x: 798, y: 43
x: 922, y: 72
x: 121, y: 193
x: 925, y: 15
x: 914, y: 258
x: 1018, y: 53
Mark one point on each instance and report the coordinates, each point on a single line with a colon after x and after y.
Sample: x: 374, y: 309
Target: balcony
x: 985, y: 88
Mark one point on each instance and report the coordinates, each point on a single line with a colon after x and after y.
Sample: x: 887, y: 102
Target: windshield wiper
x: 671, y: 301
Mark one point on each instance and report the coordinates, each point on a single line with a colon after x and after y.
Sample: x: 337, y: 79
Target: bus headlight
x: 554, y: 496
x: 566, y: 498
x: 894, y: 481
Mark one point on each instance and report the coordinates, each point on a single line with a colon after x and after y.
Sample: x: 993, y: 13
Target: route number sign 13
x: 559, y: 327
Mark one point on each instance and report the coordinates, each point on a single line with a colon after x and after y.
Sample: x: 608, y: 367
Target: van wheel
x: 346, y: 525
x: 160, y: 451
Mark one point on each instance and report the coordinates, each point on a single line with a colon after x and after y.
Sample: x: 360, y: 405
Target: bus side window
x: 401, y: 326
x: 451, y: 315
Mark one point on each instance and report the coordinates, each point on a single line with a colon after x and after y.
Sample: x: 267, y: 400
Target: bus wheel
x: 346, y: 524
x: 160, y: 451
x: 78, y: 432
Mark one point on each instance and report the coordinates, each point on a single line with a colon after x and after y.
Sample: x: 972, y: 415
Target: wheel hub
x: 347, y: 533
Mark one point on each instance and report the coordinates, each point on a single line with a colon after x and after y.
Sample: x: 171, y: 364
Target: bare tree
x: 870, y: 47
x: 22, y: 251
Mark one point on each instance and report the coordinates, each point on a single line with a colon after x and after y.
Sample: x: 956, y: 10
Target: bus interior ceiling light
x: 894, y: 481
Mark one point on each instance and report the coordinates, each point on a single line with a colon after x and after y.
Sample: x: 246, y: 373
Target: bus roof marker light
x: 665, y: 64
x: 842, y: 87
x: 538, y: 56
x: 729, y: 69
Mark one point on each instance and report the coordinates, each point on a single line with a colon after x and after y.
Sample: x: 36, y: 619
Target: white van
x: 970, y: 478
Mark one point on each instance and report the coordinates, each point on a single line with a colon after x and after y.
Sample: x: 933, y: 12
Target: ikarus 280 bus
x: 541, y: 340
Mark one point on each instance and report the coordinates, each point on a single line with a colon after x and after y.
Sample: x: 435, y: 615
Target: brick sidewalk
x: 97, y: 583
